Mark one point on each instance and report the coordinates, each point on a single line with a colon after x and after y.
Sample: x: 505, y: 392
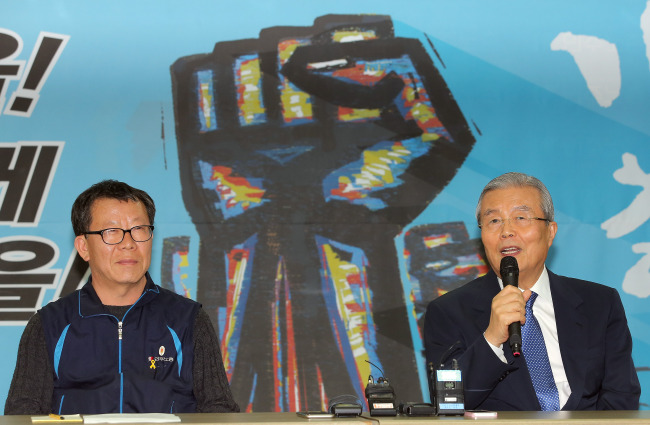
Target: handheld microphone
x: 510, y: 276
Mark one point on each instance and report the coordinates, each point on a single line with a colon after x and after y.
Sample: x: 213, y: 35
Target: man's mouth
x: 127, y: 262
x: 511, y: 250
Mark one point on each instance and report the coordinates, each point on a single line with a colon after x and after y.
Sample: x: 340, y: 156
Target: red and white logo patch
x: 161, y: 350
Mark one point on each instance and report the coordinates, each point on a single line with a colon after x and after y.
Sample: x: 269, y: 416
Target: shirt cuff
x: 497, y: 350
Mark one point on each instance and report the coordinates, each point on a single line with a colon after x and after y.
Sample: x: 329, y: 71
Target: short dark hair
x: 107, y: 189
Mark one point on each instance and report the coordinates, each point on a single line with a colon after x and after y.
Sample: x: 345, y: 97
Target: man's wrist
x: 498, y: 350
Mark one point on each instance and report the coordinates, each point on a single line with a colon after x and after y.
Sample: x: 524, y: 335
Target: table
x: 504, y: 418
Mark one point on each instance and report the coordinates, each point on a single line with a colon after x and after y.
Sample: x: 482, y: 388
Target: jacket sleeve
x: 620, y: 388
x: 32, y: 385
x: 211, y: 387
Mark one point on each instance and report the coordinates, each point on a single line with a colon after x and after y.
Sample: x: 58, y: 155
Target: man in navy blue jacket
x: 120, y: 344
x: 583, y: 324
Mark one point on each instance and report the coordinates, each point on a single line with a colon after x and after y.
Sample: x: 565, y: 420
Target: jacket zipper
x: 119, y: 337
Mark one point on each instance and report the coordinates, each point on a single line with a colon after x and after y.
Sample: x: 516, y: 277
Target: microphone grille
x: 509, y: 264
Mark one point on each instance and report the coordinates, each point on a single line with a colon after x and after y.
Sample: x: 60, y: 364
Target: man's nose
x: 507, y: 229
x: 127, y: 240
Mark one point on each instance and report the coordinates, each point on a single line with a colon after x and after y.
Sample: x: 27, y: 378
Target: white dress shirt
x: 545, y: 315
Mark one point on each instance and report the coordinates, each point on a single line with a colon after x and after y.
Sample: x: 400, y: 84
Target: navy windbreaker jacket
x: 142, y: 363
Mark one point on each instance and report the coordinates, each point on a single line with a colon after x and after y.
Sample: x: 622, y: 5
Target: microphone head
x: 509, y: 266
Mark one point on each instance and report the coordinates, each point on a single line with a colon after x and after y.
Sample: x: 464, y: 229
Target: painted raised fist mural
x: 303, y: 154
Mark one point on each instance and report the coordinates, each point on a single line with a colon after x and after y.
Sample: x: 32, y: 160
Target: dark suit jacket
x: 595, y: 344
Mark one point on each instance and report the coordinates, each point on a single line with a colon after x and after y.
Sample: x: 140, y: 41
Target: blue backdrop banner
x: 316, y: 168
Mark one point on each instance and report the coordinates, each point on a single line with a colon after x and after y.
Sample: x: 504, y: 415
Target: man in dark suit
x: 581, y: 325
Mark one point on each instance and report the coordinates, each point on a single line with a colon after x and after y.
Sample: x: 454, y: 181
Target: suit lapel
x: 487, y: 290
x: 570, y: 322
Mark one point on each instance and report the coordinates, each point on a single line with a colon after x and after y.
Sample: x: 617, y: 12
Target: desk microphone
x: 510, y: 276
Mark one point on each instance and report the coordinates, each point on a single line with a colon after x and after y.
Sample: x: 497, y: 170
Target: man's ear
x: 552, y: 231
x: 81, y: 244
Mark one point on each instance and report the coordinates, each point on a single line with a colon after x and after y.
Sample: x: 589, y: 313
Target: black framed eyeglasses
x: 115, y: 235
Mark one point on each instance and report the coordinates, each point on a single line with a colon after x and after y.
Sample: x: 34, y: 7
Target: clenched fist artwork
x: 303, y: 154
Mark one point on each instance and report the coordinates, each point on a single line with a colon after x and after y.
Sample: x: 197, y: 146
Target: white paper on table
x: 125, y: 418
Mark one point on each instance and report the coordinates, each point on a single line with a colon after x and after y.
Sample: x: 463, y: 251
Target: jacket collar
x: 91, y: 305
x: 487, y: 287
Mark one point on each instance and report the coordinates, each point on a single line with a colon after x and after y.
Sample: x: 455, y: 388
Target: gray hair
x: 508, y: 180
